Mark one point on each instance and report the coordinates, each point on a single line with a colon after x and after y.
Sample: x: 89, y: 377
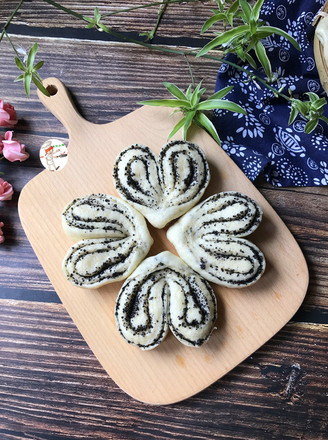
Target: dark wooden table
x: 51, y: 385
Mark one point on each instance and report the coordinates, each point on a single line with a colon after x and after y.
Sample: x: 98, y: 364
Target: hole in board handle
x: 52, y: 89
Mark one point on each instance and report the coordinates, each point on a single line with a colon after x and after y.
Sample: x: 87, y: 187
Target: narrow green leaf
x: 19, y: 64
x: 275, y: 30
x: 317, y: 105
x: 166, y: 103
x: 251, y: 61
x: 234, y: 7
x: 256, y: 10
x: 263, y: 59
x: 239, y: 50
x: 312, y: 96
x: 189, y: 92
x: 223, y: 104
x: 27, y: 83
x: 194, y: 97
x: 247, y: 10
x: 175, y: 91
x: 188, y: 121
x: 38, y: 65
x: 177, y: 127
x: 293, y: 115
x: 208, y: 125
x: 103, y: 27
x: 19, y: 78
x: 311, y: 125
x: 40, y: 86
x: 222, y: 38
x: 97, y: 14
x: 209, y: 23
x: 302, y: 107
x: 31, y: 56
x: 221, y: 93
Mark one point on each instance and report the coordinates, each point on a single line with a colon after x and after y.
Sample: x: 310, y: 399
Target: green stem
x: 12, y: 44
x: 161, y: 12
x: 67, y: 10
x: 190, y: 71
x: 10, y: 18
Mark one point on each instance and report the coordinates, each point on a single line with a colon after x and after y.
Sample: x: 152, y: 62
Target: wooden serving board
x: 247, y: 317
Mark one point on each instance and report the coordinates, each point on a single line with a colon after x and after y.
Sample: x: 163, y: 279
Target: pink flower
x: 6, y: 190
x: 1, y: 144
x: 2, y: 238
x: 13, y: 149
x: 7, y: 114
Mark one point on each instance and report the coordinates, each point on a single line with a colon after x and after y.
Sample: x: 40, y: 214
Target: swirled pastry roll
x: 164, y: 293
x: 165, y: 188
x: 116, y: 240
x: 208, y: 238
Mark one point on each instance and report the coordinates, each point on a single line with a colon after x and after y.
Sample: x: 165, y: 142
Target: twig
x: 9, y: 19
x: 151, y: 34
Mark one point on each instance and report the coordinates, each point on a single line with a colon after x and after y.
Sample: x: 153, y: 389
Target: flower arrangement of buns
x: 164, y: 292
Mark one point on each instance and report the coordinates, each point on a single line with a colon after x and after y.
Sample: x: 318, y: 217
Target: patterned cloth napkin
x: 262, y: 141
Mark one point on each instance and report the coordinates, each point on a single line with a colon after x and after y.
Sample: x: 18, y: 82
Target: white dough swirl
x: 208, y: 239
x: 114, y: 236
x: 164, y: 293
x: 165, y: 188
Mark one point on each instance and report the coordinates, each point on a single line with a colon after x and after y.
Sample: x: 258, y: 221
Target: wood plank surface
x: 52, y: 387
x: 184, y: 19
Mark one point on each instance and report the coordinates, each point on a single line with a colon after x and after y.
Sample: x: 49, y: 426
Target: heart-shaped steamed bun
x: 162, y: 188
x: 112, y: 238
x: 164, y: 293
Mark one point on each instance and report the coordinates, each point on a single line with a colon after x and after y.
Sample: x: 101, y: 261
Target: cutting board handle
x: 61, y: 104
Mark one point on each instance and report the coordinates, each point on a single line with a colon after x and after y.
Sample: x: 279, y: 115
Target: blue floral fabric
x: 262, y: 141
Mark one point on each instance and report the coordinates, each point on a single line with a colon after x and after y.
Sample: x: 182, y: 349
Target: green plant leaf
x: 175, y: 91
x: 234, y: 7
x: 221, y: 93
x: 27, y: 83
x: 311, y: 125
x: 263, y: 59
x: 196, y: 95
x: 19, y: 78
x: 293, y: 115
x: 208, y: 125
x: 212, y: 20
x: 38, y: 65
x: 19, y: 64
x: 256, y: 10
x: 301, y: 106
x: 247, y: 10
x: 223, y: 38
x: 31, y: 56
x: 188, y: 121
x: 223, y: 104
x: 177, y: 127
x: 40, y: 86
x: 251, y: 60
x: 166, y: 103
x: 275, y: 30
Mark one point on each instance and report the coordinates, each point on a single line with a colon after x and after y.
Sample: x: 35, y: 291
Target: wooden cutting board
x: 247, y: 317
